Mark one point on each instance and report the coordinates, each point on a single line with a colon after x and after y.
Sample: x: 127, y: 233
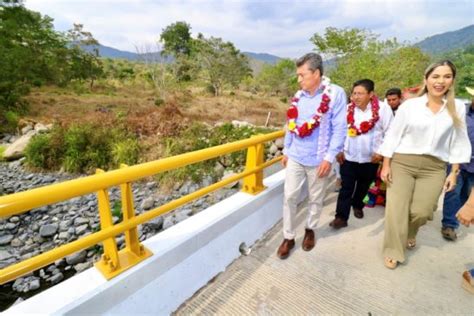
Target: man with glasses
x: 368, y: 120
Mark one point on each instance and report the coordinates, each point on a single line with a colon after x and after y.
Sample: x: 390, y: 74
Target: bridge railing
x: 115, y: 261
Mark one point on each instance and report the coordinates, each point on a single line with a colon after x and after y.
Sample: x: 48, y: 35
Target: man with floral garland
x: 368, y: 120
x: 316, y: 129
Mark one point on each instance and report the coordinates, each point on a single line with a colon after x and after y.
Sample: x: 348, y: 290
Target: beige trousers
x: 412, y: 197
x: 296, y: 178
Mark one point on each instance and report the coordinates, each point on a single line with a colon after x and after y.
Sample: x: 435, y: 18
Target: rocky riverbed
x: 42, y: 229
x: 36, y: 231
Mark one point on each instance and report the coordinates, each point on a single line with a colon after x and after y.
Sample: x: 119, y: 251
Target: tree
x: 278, y: 79
x: 155, y: 68
x: 29, y: 47
x: 220, y: 63
x: 387, y: 66
x: 464, y: 61
x: 84, y: 65
x: 176, y: 39
x: 359, y: 54
x: 339, y: 42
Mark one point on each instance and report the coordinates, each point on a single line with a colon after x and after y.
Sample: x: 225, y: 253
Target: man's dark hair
x: 313, y: 60
x: 366, y: 83
x: 394, y: 91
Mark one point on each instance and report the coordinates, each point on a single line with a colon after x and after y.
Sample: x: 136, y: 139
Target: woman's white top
x: 417, y: 130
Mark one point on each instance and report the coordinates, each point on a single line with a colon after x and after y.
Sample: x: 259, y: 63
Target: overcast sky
x: 281, y: 28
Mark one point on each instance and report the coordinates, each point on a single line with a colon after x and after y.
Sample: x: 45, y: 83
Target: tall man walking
x: 316, y: 129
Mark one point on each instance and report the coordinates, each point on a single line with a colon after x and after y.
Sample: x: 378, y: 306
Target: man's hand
x: 324, y: 169
x: 376, y: 158
x: 466, y: 214
x: 340, y: 158
x: 284, y: 161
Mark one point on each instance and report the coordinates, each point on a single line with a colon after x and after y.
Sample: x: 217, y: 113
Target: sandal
x: 468, y: 281
x: 390, y: 263
x: 411, y: 243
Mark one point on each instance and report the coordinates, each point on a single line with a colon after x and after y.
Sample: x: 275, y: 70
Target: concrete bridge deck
x: 343, y: 274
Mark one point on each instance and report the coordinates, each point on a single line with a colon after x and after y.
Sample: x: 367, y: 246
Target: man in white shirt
x: 368, y: 120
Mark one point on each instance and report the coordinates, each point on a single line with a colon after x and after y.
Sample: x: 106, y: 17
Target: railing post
x: 253, y: 183
x: 134, y: 252
x: 110, y: 258
x: 132, y: 242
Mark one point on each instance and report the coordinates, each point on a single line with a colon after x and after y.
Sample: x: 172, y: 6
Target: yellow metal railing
x: 113, y: 262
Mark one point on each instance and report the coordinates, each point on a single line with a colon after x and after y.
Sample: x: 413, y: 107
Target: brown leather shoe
x: 308, y: 241
x: 359, y: 213
x: 338, y: 223
x: 285, y: 247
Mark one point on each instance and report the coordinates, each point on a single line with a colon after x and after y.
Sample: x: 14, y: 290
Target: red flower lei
x: 307, y: 128
x: 365, y: 126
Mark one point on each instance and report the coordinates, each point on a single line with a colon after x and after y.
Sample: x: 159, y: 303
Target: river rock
x: 48, y: 230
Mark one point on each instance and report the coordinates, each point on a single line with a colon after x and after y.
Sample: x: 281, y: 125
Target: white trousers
x: 300, y: 179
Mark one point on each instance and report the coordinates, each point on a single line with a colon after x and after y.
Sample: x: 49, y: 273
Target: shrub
x: 82, y: 148
x: 126, y: 151
x: 46, y: 151
x: 11, y: 120
x: 159, y: 101
x: 199, y: 136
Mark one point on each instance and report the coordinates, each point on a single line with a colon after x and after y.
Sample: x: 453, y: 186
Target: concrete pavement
x: 343, y: 274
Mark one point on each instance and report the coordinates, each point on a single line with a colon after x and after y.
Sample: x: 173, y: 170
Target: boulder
x: 17, y: 149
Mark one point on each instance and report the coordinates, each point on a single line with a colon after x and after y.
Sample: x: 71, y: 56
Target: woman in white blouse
x: 427, y: 133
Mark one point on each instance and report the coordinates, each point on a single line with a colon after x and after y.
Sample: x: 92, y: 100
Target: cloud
x: 282, y: 28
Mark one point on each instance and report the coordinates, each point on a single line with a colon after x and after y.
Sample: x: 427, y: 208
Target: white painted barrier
x: 186, y: 256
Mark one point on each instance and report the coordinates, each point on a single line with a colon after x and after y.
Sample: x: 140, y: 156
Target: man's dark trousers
x: 356, y: 179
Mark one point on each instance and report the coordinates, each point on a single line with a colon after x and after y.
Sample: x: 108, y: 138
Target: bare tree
x: 149, y: 55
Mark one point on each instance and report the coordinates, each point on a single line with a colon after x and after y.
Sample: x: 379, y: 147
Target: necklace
x: 365, y: 126
x: 308, y: 127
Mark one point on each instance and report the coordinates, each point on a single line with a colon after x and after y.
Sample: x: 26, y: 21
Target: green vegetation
x: 199, y: 136
x: 82, y: 148
x: 34, y: 54
x: 464, y: 61
x: 359, y: 54
x: 2, y: 150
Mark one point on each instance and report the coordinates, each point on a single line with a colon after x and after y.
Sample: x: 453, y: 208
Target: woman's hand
x: 450, y: 182
x: 386, y: 174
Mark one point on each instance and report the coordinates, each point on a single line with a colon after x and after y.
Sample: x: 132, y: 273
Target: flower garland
x: 365, y: 126
x: 307, y: 128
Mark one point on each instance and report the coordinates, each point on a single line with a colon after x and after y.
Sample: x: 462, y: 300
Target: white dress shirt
x: 362, y: 147
x: 417, y: 130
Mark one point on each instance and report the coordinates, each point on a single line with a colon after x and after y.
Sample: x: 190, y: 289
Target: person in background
x: 464, y: 182
x: 316, y: 129
x: 427, y: 133
x: 368, y: 120
x: 466, y: 216
x: 393, y: 97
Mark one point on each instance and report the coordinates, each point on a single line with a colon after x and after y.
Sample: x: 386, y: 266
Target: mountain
x: 266, y: 58
x: 110, y: 52
x: 448, y: 41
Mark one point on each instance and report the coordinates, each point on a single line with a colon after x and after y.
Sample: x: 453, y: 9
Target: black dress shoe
x: 338, y: 223
x: 359, y: 213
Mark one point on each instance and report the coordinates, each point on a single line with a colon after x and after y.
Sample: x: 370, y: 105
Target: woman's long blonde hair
x: 450, y: 105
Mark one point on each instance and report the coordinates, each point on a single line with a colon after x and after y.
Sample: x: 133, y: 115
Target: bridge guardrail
x: 115, y: 261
